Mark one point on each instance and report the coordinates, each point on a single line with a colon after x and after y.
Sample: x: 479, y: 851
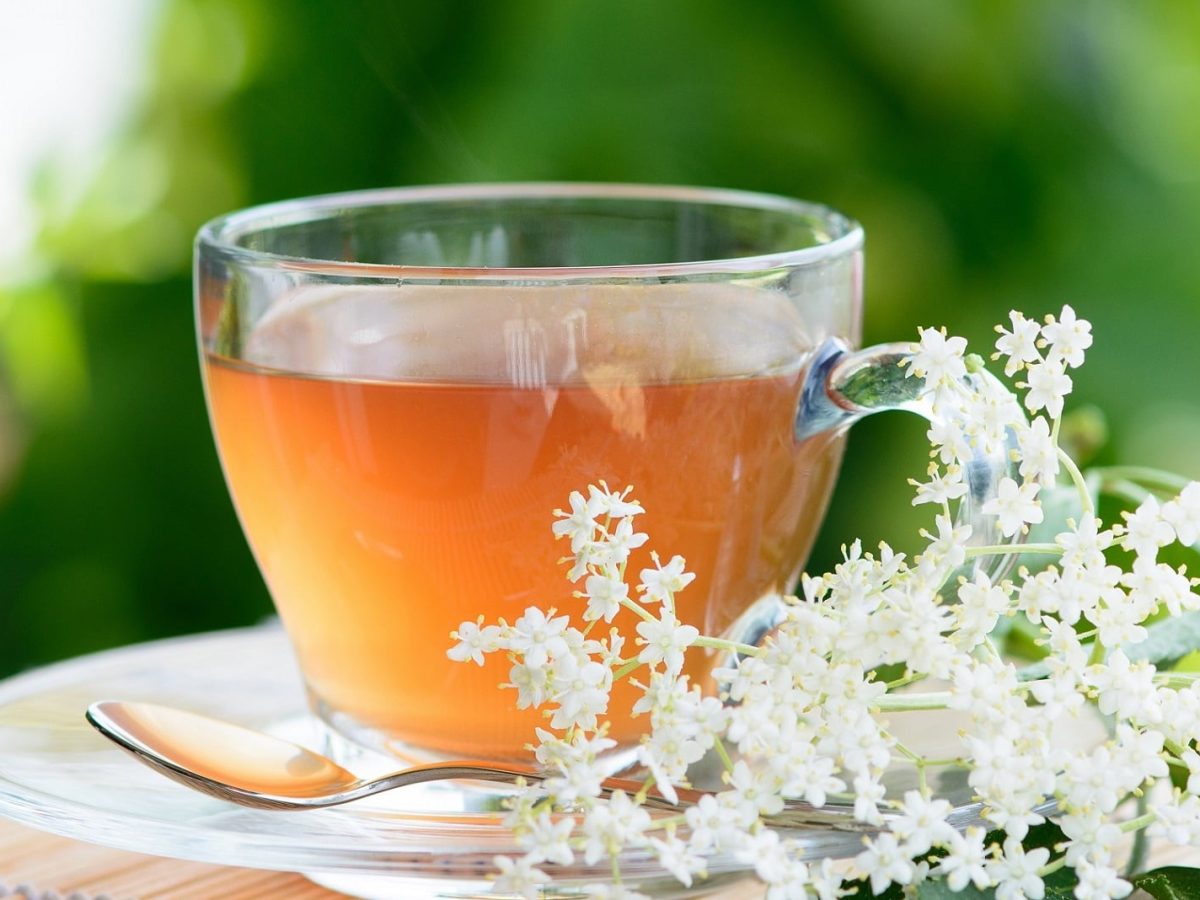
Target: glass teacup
x: 404, y: 385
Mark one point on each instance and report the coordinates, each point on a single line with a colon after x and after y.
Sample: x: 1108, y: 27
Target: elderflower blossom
x: 802, y: 717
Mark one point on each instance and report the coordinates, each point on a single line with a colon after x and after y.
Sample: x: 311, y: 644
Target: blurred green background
x: 1000, y: 154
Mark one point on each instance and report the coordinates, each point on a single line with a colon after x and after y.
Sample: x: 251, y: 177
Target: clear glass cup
x: 404, y: 384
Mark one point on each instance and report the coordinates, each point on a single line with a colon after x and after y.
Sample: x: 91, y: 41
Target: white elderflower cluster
x: 803, y: 717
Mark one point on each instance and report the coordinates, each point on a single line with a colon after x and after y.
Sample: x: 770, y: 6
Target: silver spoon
x: 254, y: 769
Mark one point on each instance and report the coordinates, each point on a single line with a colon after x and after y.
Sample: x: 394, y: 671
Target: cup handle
x: 843, y: 386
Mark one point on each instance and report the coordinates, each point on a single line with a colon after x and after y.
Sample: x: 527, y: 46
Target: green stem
x: 1139, y: 823
x: 667, y: 822
x: 729, y: 646
x: 1137, y: 853
x: 1097, y: 655
x: 719, y: 746
x: 994, y: 549
x: 630, y: 666
x: 1052, y: 867
x: 906, y: 680
x: 644, y: 791
x: 912, y: 702
x: 1175, y: 747
x: 1085, y: 496
x: 641, y: 611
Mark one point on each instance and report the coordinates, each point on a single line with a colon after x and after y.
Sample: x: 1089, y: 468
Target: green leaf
x: 861, y: 889
x: 1170, y: 883
x: 1169, y: 640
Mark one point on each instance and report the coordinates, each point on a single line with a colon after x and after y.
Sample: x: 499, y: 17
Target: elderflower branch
x: 798, y: 717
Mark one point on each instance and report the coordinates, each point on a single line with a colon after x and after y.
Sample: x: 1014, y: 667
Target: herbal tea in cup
x: 405, y: 384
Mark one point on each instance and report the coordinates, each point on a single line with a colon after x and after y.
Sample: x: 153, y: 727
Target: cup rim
x: 221, y: 235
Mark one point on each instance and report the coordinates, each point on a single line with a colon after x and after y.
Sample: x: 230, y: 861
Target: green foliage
x: 1170, y: 883
x: 999, y: 155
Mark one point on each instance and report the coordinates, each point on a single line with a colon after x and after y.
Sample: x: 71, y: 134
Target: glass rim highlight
x: 221, y: 235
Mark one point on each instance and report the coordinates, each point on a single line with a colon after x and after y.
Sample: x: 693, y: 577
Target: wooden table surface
x: 47, y: 863
x: 55, y: 868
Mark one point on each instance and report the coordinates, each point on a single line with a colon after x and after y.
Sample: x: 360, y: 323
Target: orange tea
x: 389, y: 493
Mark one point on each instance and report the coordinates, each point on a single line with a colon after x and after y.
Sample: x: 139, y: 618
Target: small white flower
x: 1125, y: 690
x: 622, y: 542
x: 1097, y: 882
x: 1014, y: 506
x: 1092, y: 836
x: 581, y: 689
x: 868, y: 794
x: 1015, y: 873
x: 921, y: 824
x: 1048, y: 385
x: 1068, y: 336
x: 677, y: 857
x: 1146, y: 530
x: 538, y: 637
x: 1178, y: 821
x: 825, y: 881
x: 604, y: 595
x: 981, y: 604
x: 474, y: 642
x: 776, y: 862
x: 965, y: 861
x: 716, y: 824
x: 1020, y: 344
x: 659, y: 584
x: 580, y: 523
x: 518, y: 876
x: 613, y: 503
x: 941, y: 487
x: 1084, y: 545
x: 544, y: 839
x: 609, y: 827
x: 1183, y: 514
x: 884, y: 862
x: 939, y: 359
x: 1118, y: 622
x: 664, y: 640
x: 1039, y: 455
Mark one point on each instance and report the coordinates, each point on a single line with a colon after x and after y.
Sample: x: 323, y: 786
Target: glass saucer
x: 59, y: 775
